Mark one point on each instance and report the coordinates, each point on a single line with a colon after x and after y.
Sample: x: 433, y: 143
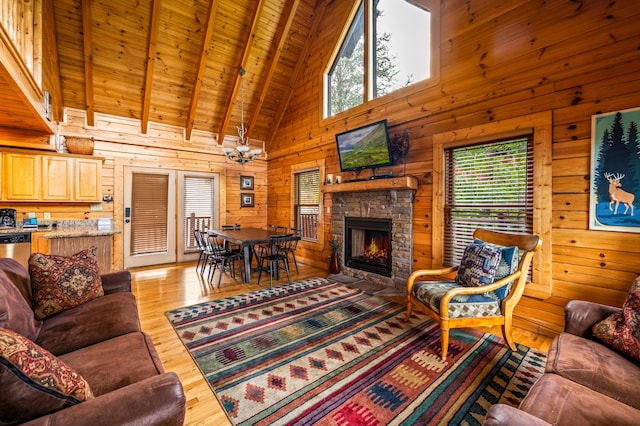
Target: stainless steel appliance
x: 7, y: 218
x: 17, y: 246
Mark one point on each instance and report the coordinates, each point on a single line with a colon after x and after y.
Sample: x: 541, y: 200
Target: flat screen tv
x: 366, y: 147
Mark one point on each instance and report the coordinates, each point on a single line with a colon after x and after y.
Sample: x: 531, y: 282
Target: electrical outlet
x: 31, y: 215
x: 47, y: 215
x: 95, y: 207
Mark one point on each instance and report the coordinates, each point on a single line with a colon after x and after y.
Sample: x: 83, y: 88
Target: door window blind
x: 487, y: 186
x: 199, y: 207
x: 149, y: 210
x: 307, y: 203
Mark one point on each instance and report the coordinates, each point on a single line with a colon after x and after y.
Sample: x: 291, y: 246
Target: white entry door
x: 149, y: 217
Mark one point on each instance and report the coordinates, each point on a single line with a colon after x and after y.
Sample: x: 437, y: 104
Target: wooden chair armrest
x: 449, y: 295
x: 427, y: 273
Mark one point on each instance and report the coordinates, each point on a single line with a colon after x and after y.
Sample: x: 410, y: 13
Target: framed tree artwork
x: 615, y: 171
x: 246, y: 182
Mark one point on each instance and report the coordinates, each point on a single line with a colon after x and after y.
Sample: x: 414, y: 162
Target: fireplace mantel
x: 394, y: 183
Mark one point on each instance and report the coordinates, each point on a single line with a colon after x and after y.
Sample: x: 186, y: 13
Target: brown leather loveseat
x: 99, y: 340
x: 586, y: 382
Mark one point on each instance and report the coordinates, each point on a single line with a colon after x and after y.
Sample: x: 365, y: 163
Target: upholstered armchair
x: 489, y: 283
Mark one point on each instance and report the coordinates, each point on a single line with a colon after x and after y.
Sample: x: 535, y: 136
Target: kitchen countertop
x: 62, y: 233
x: 65, y: 229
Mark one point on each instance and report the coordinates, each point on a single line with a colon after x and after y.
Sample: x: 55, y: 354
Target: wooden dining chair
x: 488, y: 285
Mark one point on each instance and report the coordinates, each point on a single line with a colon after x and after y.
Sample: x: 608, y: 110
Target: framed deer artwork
x: 615, y: 171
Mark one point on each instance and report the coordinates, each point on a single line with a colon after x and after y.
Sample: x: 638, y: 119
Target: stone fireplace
x: 367, y: 244
x: 362, y: 217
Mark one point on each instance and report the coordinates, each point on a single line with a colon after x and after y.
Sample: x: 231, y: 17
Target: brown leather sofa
x: 585, y: 382
x: 102, y: 341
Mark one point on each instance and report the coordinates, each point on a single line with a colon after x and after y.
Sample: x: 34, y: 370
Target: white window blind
x: 199, y: 207
x: 149, y: 210
x: 487, y: 186
x: 307, y: 203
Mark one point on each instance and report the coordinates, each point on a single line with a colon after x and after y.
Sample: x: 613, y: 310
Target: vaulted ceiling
x: 177, y: 62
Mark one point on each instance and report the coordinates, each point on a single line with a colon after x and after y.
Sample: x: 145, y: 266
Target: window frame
x: 299, y: 168
x: 540, y: 125
x: 369, y: 102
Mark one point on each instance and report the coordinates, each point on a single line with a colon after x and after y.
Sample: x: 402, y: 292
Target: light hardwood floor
x: 162, y: 288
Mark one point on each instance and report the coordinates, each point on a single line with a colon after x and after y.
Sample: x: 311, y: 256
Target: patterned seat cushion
x: 469, y: 305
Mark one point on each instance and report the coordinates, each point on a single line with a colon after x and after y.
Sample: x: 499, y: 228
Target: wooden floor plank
x: 166, y: 287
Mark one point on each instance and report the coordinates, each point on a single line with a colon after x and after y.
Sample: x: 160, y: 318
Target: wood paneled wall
x: 499, y: 60
x: 121, y: 143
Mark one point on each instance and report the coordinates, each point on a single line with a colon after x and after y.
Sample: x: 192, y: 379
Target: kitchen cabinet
x: 88, y: 180
x: 51, y: 243
x: 57, y: 173
x: 20, y: 176
x: 51, y: 177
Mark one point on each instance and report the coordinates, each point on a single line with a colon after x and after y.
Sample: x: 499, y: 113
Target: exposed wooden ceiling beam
x: 319, y: 13
x: 151, y: 60
x: 197, y: 85
x: 88, y: 62
x: 48, y: 11
x: 243, y: 63
x: 274, y: 62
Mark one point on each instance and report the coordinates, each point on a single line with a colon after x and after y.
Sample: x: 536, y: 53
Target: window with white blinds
x: 149, y: 210
x: 199, y: 207
x: 307, y: 203
x: 487, y: 186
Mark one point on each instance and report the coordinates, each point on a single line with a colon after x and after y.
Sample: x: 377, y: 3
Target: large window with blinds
x: 307, y: 203
x: 199, y: 198
x: 149, y: 203
x: 489, y: 185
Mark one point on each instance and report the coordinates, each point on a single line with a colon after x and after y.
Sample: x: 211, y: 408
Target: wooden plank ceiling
x: 177, y: 61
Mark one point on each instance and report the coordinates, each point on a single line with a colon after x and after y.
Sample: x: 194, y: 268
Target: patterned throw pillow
x: 34, y: 382
x: 478, y: 265
x: 509, y: 261
x: 61, y: 282
x: 621, y: 330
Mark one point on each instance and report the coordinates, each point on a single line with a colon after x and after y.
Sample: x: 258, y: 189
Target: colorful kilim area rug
x: 318, y: 352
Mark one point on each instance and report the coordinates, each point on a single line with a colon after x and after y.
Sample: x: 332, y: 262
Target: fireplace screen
x: 368, y: 245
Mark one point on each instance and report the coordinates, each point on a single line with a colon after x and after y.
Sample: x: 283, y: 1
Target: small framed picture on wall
x: 246, y: 182
x: 246, y: 200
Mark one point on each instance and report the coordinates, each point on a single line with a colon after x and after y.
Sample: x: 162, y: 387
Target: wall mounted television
x: 366, y: 147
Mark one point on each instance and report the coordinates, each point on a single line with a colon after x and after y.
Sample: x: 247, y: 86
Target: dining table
x: 246, y: 238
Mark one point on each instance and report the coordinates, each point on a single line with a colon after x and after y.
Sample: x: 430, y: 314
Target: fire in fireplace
x: 368, y: 244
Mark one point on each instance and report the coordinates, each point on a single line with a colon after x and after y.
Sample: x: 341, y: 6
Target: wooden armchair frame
x: 528, y: 245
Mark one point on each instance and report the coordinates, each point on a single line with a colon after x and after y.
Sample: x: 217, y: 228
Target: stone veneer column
x: 396, y: 205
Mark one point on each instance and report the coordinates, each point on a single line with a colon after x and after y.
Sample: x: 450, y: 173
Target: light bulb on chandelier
x: 242, y: 153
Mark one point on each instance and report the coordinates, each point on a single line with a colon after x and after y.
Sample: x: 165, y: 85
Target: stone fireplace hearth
x: 394, y: 204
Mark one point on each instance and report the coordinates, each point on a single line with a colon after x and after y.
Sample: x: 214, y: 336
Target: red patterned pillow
x: 33, y: 381
x: 61, y: 282
x: 621, y: 330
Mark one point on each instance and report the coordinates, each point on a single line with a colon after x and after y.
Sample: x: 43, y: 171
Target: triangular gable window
x: 397, y: 39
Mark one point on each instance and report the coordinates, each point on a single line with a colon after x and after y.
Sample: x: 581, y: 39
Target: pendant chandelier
x: 242, y: 153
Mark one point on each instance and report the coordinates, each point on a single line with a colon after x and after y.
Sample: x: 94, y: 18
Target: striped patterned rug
x: 318, y: 352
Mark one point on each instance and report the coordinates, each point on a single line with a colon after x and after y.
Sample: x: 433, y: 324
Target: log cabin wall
x: 119, y: 141
x: 499, y: 60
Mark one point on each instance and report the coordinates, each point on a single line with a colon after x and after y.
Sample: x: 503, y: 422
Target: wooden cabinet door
x: 21, y: 176
x: 88, y: 177
x: 57, y: 173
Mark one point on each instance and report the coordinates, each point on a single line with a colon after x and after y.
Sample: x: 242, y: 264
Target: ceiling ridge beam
x: 274, y: 62
x: 88, y: 62
x: 151, y: 59
x: 202, y: 66
x: 243, y: 63
x: 319, y: 13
